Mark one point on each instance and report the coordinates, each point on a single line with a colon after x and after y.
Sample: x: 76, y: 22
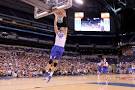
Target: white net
x: 56, y: 3
x: 51, y: 3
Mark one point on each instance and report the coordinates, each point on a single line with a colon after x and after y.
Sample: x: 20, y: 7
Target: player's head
x: 62, y: 28
x: 104, y: 59
x: 101, y: 60
x: 61, y: 12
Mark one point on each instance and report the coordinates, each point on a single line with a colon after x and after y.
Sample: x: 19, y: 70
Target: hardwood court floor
x: 91, y: 82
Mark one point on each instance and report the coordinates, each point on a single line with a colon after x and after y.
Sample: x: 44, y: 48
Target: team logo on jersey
x: 60, y: 35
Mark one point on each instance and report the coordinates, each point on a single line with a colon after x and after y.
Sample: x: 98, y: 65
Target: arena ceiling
x: 92, y: 6
x: 89, y: 5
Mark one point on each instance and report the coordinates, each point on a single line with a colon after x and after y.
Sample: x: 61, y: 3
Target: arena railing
x: 21, y: 30
x: 27, y: 22
x: 26, y: 26
x: 22, y: 48
x: 33, y: 48
x: 14, y: 23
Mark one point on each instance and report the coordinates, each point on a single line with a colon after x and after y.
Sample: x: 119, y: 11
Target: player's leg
x: 50, y: 66
x: 54, y: 65
x: 59, y: 53
x: 99, y: 70
x: 50, y: 63
x: 53, y: 69
x: 58, y: 56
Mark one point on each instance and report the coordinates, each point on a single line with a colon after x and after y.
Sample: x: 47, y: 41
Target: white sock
x: 51, y: 73
x: 46, y: 70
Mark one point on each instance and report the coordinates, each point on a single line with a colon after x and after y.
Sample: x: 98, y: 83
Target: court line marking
x: 113, y: 84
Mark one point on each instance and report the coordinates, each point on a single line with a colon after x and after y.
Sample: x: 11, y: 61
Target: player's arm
x: 65, y: 31
x: 65, y: 26
x: 55, y: 23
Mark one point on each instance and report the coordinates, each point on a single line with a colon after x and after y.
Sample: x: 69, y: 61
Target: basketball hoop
x: 44, y: 8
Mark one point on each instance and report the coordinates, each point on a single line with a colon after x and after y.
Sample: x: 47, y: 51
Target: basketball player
x: 105, y: 66
x: 133, y: 68
x: 60, y: 28
x: 100, y: 67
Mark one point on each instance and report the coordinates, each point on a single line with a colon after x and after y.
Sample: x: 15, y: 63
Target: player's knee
x: 50, y: 62
x: 55, y: 64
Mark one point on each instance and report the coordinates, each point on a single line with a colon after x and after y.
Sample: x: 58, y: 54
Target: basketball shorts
x: 56, y: 52
x: 99, y: 69
x: 105, y: 69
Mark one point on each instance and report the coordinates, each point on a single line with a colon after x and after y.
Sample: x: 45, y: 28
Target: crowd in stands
x: 16, y: 61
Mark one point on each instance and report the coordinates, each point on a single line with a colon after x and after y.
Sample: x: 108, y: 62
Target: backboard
x: 44, y: 8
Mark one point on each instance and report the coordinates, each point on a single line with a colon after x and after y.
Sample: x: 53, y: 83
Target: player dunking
x: 60, y: 28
